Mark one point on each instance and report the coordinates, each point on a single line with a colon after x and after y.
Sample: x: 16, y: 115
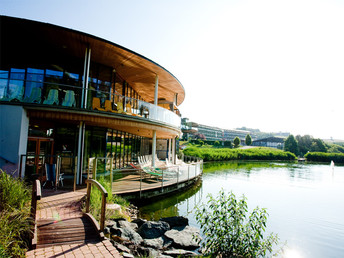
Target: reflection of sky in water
x: 305, y: 202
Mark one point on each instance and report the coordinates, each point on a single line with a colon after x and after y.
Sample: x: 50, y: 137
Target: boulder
x: 131, y: 235
x: 127, y: 224
x: 156, y: 243
x: 179, y: 253
x: 177, y: 221
x: 126, y: 232
x: 121, y: 248
x: 184, y: 237
x: 139, y: 222
x: 152, y: 229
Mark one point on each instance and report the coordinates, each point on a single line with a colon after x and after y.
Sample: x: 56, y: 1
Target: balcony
x: 74, y: 97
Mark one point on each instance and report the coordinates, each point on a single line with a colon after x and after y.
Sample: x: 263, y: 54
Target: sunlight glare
x: 292, y: 253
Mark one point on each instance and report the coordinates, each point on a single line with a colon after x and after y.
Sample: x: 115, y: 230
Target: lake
x: 305, y: 202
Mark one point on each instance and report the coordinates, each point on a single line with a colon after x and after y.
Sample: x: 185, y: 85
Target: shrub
x: 225, y: 154
x: 230, y: 232
x: 14, y: 216
x: 96, y: 201
x: 325, y: 157
x: 236, y: 142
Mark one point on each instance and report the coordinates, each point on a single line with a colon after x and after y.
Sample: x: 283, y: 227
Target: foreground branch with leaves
x: 230, y: 232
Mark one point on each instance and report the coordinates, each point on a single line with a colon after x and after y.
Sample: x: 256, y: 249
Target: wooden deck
x: 66, y: 231
x: 63, y: 229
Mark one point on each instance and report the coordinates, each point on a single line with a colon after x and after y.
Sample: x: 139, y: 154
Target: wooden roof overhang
x: 137, y: 70
x: 134, y: 125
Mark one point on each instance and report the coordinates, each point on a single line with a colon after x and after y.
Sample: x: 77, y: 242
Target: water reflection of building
x: 68, y: 93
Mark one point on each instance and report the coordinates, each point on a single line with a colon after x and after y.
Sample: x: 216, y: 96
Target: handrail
x: 36, y: 195
x: 104, y: 193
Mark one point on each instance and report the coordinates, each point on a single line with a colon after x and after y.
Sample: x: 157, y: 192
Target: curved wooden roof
x: 136, y: 69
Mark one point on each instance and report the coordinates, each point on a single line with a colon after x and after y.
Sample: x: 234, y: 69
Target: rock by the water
x: 139, y: 222
x: 152, y: 229
x: 120, y: 247
x: 184, y: 238
x: 179, y: 253
x: 127, y: 224
x: 156, y: 243
x: 126, y: 255
x: 177, y: 221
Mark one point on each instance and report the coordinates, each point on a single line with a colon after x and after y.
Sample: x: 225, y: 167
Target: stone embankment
x: 168, y: 237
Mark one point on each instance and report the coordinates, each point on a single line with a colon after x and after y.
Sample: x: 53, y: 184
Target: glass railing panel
x: 38, y: 92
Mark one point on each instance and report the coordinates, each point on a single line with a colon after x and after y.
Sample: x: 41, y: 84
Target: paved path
x: 59, y: 205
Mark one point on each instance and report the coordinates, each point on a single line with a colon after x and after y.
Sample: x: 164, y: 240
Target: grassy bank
x: 325, y: 157
x: 224, y: 154
x: 14, y: 216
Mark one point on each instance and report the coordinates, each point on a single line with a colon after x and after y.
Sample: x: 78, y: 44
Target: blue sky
x: 268, y: 64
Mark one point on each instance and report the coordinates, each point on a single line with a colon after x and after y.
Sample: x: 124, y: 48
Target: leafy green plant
x: 236, y: 142
x: 14, y: 216
x: 248, y: 140
x: 230, y: 232
x: 96, y: 201
x: 325, y: 157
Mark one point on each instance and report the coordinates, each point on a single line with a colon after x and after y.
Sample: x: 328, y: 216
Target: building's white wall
x: 14, y: 126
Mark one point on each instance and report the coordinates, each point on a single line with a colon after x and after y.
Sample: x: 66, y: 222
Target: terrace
x: 40, y: 93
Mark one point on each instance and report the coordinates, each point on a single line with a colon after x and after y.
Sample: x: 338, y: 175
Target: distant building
x: 273, y: 142
x: 193, y: 130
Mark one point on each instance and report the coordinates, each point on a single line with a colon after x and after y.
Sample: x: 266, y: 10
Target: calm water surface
x: 305, y: 202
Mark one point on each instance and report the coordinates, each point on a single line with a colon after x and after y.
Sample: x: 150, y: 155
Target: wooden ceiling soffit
x: 126, y: 125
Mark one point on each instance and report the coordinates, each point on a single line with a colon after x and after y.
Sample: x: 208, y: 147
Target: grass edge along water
x: 226, y: 154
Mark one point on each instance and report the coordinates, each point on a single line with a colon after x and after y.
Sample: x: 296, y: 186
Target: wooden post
x: 111, y: 173
x: 75, y: 172
x: 88, y: 196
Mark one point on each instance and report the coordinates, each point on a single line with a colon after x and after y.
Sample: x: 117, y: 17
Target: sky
x: 273, y: 65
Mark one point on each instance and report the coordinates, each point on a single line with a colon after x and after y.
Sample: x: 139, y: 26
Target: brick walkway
x: 63, y: 205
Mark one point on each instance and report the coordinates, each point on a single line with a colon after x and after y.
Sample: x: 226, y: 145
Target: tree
x: 291, y: 145
x: 230, y: 232
x: 217, y: 144
x: 236, y: 142
x: 248, y: 140
x: 305, y: 143
x: 318, y: 146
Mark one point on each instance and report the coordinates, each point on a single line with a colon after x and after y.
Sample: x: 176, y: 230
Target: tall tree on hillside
x: 291, y: 145
x: 236, y: 142
x: 248, y: 140
x: 318, y: 146
x: 305, y: 143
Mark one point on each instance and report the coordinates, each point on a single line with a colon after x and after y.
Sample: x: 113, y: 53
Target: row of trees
x: 301, y: 145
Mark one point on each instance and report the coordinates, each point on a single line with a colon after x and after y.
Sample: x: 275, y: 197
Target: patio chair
x: 108, y: 106
x: 35, y: 96
x: 69, y: 99
x: 16, y: 94
x: 53, y: 97
x: 50, y: 173
x: 96, y: 104
x: 128, y: 109
x: 120, y: 107
x: 153, y: 172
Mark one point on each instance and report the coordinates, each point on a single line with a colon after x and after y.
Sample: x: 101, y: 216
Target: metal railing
x: 136, y: 178
x: 70, y: 96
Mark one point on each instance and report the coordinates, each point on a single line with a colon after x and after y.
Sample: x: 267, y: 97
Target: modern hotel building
x: 65, y: 93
